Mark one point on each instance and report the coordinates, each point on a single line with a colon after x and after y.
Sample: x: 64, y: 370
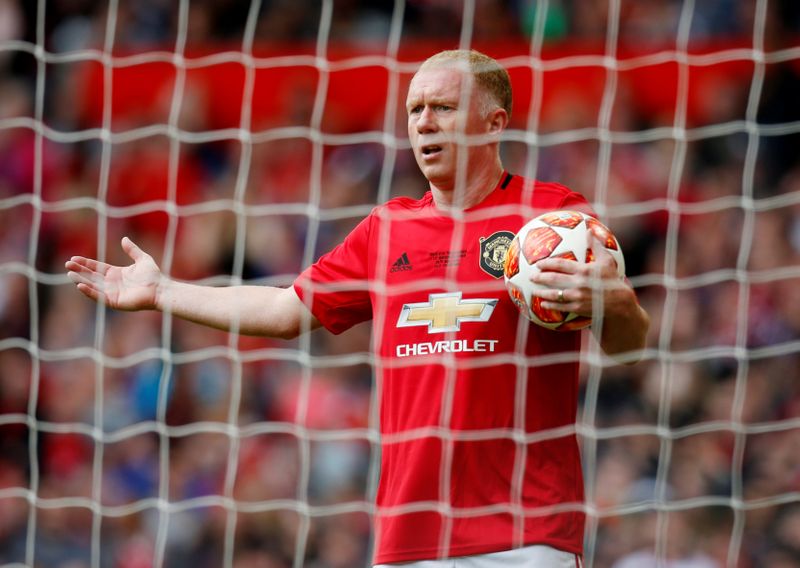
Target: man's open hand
x: 133, y: 287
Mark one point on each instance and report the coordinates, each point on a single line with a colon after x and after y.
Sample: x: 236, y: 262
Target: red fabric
x: 400, y: 254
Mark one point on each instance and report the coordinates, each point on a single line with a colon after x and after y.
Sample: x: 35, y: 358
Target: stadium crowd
x: 695, y: 444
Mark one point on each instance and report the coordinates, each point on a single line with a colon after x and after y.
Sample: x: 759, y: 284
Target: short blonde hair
x: 489, y: 75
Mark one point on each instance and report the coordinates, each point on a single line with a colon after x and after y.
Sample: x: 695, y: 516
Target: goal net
x: 237, y: 141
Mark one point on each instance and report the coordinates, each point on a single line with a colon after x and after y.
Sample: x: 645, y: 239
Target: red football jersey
x: 477, y: 404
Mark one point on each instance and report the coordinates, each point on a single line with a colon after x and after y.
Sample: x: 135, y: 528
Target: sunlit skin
x: 442, y: 107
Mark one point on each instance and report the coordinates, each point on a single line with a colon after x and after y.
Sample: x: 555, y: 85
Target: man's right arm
x: 250, y: 310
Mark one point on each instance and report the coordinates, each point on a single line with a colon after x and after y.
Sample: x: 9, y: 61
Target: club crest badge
x: 493, y: 252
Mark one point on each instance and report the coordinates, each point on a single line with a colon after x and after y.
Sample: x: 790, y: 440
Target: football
x: 557, y: 234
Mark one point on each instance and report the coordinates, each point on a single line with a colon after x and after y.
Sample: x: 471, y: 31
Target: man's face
x: 439, y: 114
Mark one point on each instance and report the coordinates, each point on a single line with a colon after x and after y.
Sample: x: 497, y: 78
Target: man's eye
x: 443, y: 108
x: 415, y: 110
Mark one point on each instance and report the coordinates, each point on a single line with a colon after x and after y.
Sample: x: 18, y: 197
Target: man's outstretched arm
x: 251, y: 310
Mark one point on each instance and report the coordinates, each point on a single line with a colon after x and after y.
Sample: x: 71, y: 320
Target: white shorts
x: 535, y: 556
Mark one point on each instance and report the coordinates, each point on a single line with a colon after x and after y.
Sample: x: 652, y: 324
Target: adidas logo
x: 401, y: 263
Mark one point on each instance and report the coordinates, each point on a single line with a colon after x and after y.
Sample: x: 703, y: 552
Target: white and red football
x: 557, y: 234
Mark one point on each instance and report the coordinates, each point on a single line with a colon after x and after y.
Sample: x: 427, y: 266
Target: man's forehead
x: 438, y: 80
x: 446, y: 72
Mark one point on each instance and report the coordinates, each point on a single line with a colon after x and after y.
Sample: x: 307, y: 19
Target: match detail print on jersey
x: 446, y: 311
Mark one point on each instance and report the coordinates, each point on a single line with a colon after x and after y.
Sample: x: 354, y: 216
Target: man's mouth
x: 431, y: 149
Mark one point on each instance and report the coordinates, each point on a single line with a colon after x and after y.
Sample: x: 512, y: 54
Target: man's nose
x: 427, y: 120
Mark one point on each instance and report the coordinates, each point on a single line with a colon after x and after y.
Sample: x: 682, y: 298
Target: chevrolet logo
x: 445, y: 312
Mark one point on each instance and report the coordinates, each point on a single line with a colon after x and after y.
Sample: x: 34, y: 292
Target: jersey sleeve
x: 336, y: 287
x: 577, y: 202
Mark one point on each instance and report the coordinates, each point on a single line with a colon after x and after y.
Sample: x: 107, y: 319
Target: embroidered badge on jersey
x: 493, y: 252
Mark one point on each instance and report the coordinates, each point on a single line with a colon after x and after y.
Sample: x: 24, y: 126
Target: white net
x: 235, y: 141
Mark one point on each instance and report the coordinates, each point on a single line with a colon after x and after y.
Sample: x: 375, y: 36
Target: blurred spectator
x: 680, y: 541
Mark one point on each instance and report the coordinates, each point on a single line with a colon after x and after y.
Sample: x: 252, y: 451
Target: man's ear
x: 497, y: 121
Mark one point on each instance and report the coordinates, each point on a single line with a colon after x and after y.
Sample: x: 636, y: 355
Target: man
x: 479, y: 460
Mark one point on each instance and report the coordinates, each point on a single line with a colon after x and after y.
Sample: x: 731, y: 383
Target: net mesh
x: 235, y: 143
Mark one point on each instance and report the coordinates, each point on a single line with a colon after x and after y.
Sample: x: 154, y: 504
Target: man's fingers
x: 556, y: 298
x: 560, y: 306
x: 562, y: 265
x: 91, y: 292
x: 91, y: 285
x: 555, y: 280
x: 79, y: 263
x: 132, y: 249
x: 79, y: 273
x: 82, y: 277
